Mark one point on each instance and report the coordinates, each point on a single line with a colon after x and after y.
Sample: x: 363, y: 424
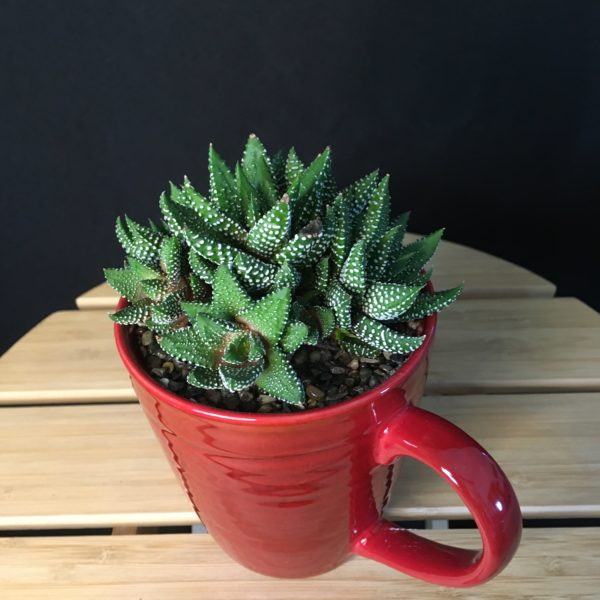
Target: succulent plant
x: 274, y: 258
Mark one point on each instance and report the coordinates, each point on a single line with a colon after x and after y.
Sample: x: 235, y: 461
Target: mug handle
x: 474, y: 475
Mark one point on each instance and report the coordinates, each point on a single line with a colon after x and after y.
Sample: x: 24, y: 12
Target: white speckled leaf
x: 380, y: 336
x: 386, y: 301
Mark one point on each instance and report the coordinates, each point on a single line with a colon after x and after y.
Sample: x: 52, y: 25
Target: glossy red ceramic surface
x: 292, y: 495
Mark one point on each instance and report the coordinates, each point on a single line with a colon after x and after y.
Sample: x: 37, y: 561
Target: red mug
x: 293, y: 495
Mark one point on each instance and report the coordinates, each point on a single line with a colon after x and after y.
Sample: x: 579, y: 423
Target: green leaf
x: 322, y: 275
x: 286, y: 276
x: 326, y: 319
x: 417, y: 279
x: 250, y: 200
x: 359, y: 193
x: 125, y: 282
x: 414, y: 256
x: 229, y: 298
x: 167, y: 311
x: 310, y: 192
x: 178, y: 196
x: 257, y: 167
x: 255, y: 274
x: 223, y: 188
x: 201, y: 267
x: 208, y: 379
x: 294, y: 336
x: 180, y: 220
x: 340, y: 301
x: 428, y: 303
x: 383, y: 251
x: 243, y: 349
x: 213, y: 332
x: 280, y: 380
x: 293, y: 167
x: 341, y: 235
x: 201, y: 290
x: 269, y: 315
x: 380, y: 336
x: 155, y: 289
x: 278, y: 169
x: 134, y: 314
x: 351, y: 344
x: 188, y: 345
x: 386, y: 301
x: 213, y: 250
x: 313, y: 336
x: 193, y: 309
x: 138, y: 241
x: 300, y: 249
x: 271, y: 231
x: 213, y: 217
x: 237, y: 378
x: 141, y: 270
x: 353, y: 271
x: 377, y: 216
x: 402, y: 220
x: 171, y: 258
x: 323, y: 242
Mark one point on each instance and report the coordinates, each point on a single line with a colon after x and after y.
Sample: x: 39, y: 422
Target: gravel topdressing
x: 329, y: 374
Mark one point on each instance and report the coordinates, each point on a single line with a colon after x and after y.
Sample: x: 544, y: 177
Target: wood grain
x: 548, y: 445
x: 492, y: 346
x: 99, y: 465
x: 485, y: 276
x: 516, y: 345
x: 550, y: 564
x: 70, y: 356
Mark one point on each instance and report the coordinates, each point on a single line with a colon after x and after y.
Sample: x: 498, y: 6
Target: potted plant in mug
x: 277, y: 334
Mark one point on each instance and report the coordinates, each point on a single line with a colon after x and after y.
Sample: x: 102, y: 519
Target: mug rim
x: 123, y: 339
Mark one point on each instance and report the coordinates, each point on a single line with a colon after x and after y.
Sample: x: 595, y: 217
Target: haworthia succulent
x: 272, y: 258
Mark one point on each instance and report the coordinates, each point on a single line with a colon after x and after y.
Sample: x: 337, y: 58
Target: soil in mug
x: 329, y: 374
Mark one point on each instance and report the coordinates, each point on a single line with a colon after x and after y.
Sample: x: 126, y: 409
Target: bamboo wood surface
x: 550, y: 563
x: 100, y: 466
x: 548, y: 444
x: 487, y: 346
x: 485, y: 276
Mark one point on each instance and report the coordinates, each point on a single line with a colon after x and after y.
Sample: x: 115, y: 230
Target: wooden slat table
x: 550, y: 564
x: 513, y: 366
x: 485, y: 276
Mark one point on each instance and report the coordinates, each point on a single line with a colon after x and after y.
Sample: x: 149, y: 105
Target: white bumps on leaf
x: 380, y: 336
x: 271, y: 231
x: 353, y: 271
x: 269, y: 315
x: 254, y: 273
x: 389, y: 300
x: 280, y: 380
x: 134, y: 314
x: 429, y: 303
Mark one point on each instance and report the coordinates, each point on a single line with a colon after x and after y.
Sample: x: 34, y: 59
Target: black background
x: 485, y: 114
